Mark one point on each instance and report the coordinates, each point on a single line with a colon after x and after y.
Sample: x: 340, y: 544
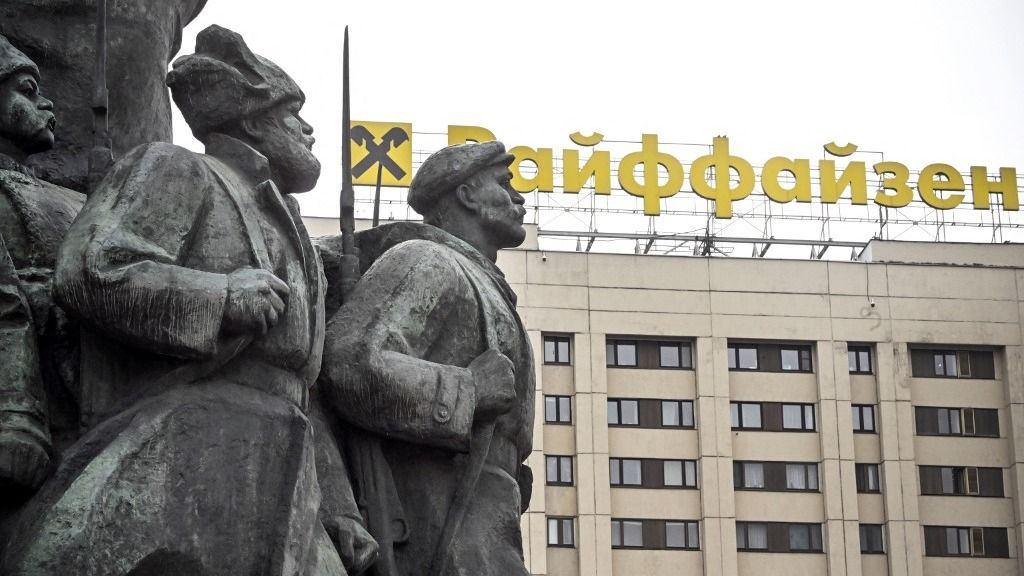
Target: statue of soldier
x: 143, y: 37
x: 34, y: 217
x: 204, y: 298
x: 430, y: 359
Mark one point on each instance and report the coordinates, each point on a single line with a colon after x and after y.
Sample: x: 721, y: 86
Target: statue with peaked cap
x: 203, y: 299
x: 38, y: 376
x: 428, y: 363
x: 143, y: 37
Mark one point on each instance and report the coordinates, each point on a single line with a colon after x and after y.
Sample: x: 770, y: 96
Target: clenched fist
x: 494, y: 377
x: 256, y: 299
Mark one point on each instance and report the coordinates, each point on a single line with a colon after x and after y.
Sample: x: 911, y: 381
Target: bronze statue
x: 203, y: 299
x: 34, y: 217
x: 429, y: 365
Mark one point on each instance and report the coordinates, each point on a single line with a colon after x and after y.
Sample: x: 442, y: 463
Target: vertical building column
x: 717, y: 497
x: 534, y: 523
x: 593, y: 522
x: 838, y: 478
x: 1014, y: 382
x: 899, y: 473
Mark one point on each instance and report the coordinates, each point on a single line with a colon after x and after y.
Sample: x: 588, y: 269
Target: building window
x: 863, y: 418
x: 621, y: 353
x: 674, y: 355
x: 867, y: 478
x: 742, y: 357
x: 679, y: 473
x: 561, y: 532
x: 677, y: 413
x: 559, y: 470
x: 931, y: 363
x: 871, y: 539
x: 558, y: 409
x: 805, y: 538
x: 625, y: 471
x: 802, y: 477
x: 745, y: 416
x: 966, y: 541
x: 798, y: 417
x: 860, y: 359
x: 933, y: 421
x: 623, y: 413
x: 682, y: 535
x: 627, y: 534
x: 748, y: 475
x: 556, y: 349
x: 751, y: 536
x: 961, y: 481
x: 796, y: 358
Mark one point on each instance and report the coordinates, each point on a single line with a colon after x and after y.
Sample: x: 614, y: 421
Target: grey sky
x: 924, y: 82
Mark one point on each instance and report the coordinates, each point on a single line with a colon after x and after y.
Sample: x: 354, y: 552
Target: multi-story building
x: 729, y: 416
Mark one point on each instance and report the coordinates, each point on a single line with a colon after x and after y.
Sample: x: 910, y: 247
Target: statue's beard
x: 294, y: 167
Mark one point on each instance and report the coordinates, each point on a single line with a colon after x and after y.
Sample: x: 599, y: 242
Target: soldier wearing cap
x: 39, y: 342
x: 203, y: 300
x: 429, y: 357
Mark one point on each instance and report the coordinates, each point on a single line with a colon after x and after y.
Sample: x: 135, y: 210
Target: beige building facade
x: 727, y: 416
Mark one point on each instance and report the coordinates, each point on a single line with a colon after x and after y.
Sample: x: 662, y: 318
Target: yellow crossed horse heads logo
x: 381, y: 153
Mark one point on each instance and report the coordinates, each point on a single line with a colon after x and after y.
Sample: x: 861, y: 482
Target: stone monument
x: 202, y: 298
x: 429, y: 367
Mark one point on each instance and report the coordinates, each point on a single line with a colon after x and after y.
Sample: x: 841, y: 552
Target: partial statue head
x: 26, y: 118
x: 470, y: 181
x: 225, y: 88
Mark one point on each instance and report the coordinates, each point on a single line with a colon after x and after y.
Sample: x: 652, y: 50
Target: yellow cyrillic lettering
x: 722, y: 193
x: 981, y: 186
x: 801, y: 171
x: 651, y: 190
x: 854, y: 177
x: 544, y: 180
x: 598, y: 166
x: 940, y: 177
x: 898, y: 183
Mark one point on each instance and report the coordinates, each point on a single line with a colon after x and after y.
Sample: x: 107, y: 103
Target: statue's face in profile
x: 287, y: 142
x: 26, y: 117
x: 500, y: 207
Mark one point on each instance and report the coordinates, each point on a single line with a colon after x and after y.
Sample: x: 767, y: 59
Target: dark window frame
x: 739, y: 475
x: 617, y: 462
x: 618, y: 402
x: 740, y: 426
x: 618, y: 525
x: 861, y: 409
x: 803, y: 417
x: 685, y: 360
x: 559, y: 469
x: 966, y: 421
x: 558, y: 339
x: 745, y: 528
x: 980, y: 541
x: 864, y: 478
x: 560, y: 531
x: 858, y: 366
x: 960, y: 481
x: 779, y: 533
x: 814, y: 545
x: 803, y: 355
x: 687, y: 484
x: 865, y: 547
x: 734, y: 357
x: 558, y: 421
x: 653, y: 534
x: 971, y: 363
x: 612, y: 345
x: 680, y: 412
x: 807, y: 476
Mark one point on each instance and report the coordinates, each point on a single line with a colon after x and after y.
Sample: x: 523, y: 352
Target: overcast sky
x: 935, y: 81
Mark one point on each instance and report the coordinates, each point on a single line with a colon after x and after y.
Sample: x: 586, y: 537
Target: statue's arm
x: 119, y: 267
x: 24, y: 433
x: 374, y: 374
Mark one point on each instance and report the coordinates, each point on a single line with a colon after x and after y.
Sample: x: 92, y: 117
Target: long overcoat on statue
x: 395, y: 366
x: 200, y: 457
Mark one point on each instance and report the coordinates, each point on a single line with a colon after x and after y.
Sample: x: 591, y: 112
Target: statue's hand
x: 23, y: 462
x: 495, y: 381
x: 256, y: 299
x: 358, y: 550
